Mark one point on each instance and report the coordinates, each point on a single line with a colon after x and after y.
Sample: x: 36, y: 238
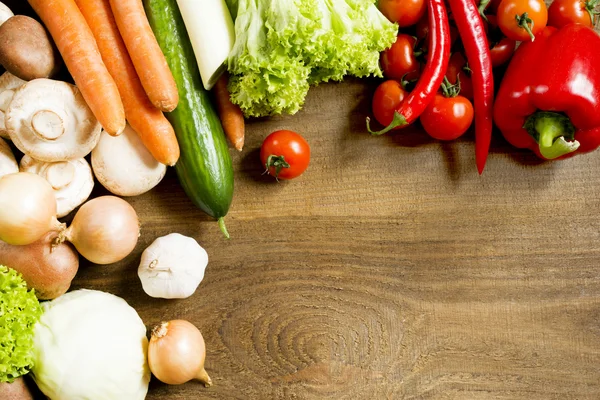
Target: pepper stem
x: 482, y: 6
x: 554, y: 133
x: 397, y: 121
x: 523, y: 21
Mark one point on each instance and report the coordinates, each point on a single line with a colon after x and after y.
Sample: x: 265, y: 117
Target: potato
x: 26, y: 49
x: 48, y: 271
x: 17, y: 390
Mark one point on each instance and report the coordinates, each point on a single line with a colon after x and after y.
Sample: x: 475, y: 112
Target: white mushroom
x: 8, y: 84
x: 172, y: 267
x: 71, y: 180
x: 8, y: 164
x: 50, y: 121
x: 5, y: 13
x: 124, y: 166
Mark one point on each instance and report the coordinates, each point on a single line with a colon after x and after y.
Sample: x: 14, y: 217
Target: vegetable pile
x: 165, y: 83
x: 542, y: 111
x: 283, y: 47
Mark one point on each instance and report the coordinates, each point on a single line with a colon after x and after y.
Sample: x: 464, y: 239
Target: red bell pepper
x: 549, y: 99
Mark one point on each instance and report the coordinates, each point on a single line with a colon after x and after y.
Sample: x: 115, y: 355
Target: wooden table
x: 389, y: 270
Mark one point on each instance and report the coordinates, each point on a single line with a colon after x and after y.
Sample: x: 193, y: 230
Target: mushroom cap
x: 8, y: 84
x: 71, y: 180
x: 50, y: 121
x: 8, y: 164
x: 5, y: 13
x: 124, y: 166
x: 172, y: 267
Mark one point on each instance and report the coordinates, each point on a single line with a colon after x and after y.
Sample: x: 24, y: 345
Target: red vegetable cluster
x: 441, y: 70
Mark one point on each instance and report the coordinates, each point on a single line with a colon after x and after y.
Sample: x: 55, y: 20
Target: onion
x: 176, y: 353
x: 104, y: 230
x: 27, y: 208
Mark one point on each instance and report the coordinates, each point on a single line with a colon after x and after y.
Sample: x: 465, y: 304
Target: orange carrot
x: 149, y: 122
x: 147, y: 57
x: 79, y: 51
x: 230, y: 114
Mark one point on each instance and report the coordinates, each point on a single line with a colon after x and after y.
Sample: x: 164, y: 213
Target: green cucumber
x: 204, y: 168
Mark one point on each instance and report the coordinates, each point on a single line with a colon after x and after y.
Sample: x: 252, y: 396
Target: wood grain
x: 389, y: 270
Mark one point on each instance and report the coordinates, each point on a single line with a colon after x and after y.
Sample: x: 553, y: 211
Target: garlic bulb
x: 172, y: 267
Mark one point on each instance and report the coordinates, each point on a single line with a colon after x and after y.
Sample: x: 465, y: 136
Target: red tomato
x: 287, y: 152
x: 501, y: 48
x: 509, y: 10
x: 447, y: 118
x: 386, y: 100
x: 404, y: 12
x: 563, y: 12
x: 457, y: 70
x: 399, y: 61
x: 502, y: 51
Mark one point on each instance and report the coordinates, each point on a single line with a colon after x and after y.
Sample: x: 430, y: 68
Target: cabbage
x: 19, y: 312
x: 283, y: 46
x: 91, y: 345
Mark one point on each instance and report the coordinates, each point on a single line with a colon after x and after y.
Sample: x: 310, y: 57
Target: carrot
x: 147, y: 57
x: 151, y: 125
x: 230, y: 114
x: 79, y: 51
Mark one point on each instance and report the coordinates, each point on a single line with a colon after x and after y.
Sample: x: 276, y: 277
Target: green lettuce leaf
x: 284, y: 46
x: 19, y: 312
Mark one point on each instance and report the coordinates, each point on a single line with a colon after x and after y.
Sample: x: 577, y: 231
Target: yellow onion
x: 176, y: 353
x: 27, y: 208
x: 104, y: 230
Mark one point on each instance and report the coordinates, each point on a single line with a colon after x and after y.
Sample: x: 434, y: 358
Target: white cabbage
x: 91, y: 345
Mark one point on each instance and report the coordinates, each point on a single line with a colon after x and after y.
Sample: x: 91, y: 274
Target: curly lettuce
x: 282, y: 47
x: 19, y: 312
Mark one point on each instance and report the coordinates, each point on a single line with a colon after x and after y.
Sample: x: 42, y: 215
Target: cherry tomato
x: 285, y: 154
x: 563, y: 12
x: 404, y: 12
x: 399, y: 61
x: 457, y: 70
x: 511, y: 10
x: 501, y: 47
x: 386, y: 99
x: 447, y: 118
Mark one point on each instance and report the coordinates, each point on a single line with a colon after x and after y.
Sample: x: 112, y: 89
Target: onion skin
x: 176, y: 353
x: 27, y: 208
x: 104, y: 230
x: 46, y: 268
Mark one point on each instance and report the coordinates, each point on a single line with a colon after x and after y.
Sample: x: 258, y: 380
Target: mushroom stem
x: 60, y: 174
x: 47, y: 125
x: 5, y: 98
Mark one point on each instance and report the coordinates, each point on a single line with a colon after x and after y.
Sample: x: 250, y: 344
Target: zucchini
x: 204, y: 168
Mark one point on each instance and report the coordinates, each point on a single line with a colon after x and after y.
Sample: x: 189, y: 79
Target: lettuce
x: 19, y: 312
x: 284, y: 46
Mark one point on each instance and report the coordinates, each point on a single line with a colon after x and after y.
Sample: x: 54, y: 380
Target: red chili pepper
x: 472, y: 32
x: 433, y: 73
x: 549, y: 99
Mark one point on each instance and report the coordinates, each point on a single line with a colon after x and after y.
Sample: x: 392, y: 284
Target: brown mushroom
x: 26, y: 49
x: 8, y: 84
x: 50, y: 121
x: 71, y: 180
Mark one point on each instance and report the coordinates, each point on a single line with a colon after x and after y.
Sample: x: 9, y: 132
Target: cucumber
x: 204, y: 168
